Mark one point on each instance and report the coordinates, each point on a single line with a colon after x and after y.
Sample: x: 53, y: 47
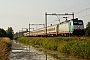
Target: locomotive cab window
x: 75, y: 23
x: 80, y: 23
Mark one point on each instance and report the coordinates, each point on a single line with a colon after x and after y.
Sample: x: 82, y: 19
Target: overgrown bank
x: 73, y: 46
x: 5, y: 47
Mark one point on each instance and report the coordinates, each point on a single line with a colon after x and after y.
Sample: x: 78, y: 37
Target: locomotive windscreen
x: 78, y: 22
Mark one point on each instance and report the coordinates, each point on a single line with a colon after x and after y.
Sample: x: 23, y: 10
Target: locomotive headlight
x: 78, y: 26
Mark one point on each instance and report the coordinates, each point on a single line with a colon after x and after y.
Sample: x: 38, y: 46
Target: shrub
x: 72, y: 46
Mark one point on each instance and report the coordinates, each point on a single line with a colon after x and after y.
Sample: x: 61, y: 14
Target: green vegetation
x: 3, y: 33
x: 8, y: 33
x: 5, y: 48
x: 87, y: 30
x: 73, y: 46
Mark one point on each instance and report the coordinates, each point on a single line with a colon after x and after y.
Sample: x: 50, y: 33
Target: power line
x: 82, y: 10
x: 77, y: 6
x: 84, y: 16
x: 83, y: 4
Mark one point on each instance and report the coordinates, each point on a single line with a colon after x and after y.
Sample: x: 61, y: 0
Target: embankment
x: 79, y: 48
x: 5, y: 48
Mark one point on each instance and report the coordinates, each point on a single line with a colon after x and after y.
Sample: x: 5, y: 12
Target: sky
x: 19, y: 13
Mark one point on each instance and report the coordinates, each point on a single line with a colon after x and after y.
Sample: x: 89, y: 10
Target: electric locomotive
x: 71, y: 27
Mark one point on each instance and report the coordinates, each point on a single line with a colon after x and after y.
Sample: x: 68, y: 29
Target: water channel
x: 22, y: 52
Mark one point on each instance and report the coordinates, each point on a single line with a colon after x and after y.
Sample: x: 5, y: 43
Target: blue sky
x: 19, y: 13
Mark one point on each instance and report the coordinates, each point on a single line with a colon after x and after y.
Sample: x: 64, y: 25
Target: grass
x: 71, y: 46
x: 5, y: 47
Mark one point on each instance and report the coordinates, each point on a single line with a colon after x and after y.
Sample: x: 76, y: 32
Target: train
x: 67, y: 28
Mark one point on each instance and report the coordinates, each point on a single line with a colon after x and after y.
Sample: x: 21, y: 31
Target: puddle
x: 17, y: 50
x: 21, y: 52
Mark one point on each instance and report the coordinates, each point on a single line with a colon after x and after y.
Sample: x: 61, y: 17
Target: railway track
x: 79, y: 37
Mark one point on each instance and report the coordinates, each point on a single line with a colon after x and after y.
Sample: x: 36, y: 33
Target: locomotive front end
x: 78, y: 26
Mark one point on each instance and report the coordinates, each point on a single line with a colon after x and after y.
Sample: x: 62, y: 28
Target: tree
x: 87, y: 31
x: 10, y: 32
x: 3, y: 33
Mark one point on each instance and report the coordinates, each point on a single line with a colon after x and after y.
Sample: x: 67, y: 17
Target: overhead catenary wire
x: 85, y: 16
x: 77, y: 6
x: 80, y: 8
x: 83, y: 10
